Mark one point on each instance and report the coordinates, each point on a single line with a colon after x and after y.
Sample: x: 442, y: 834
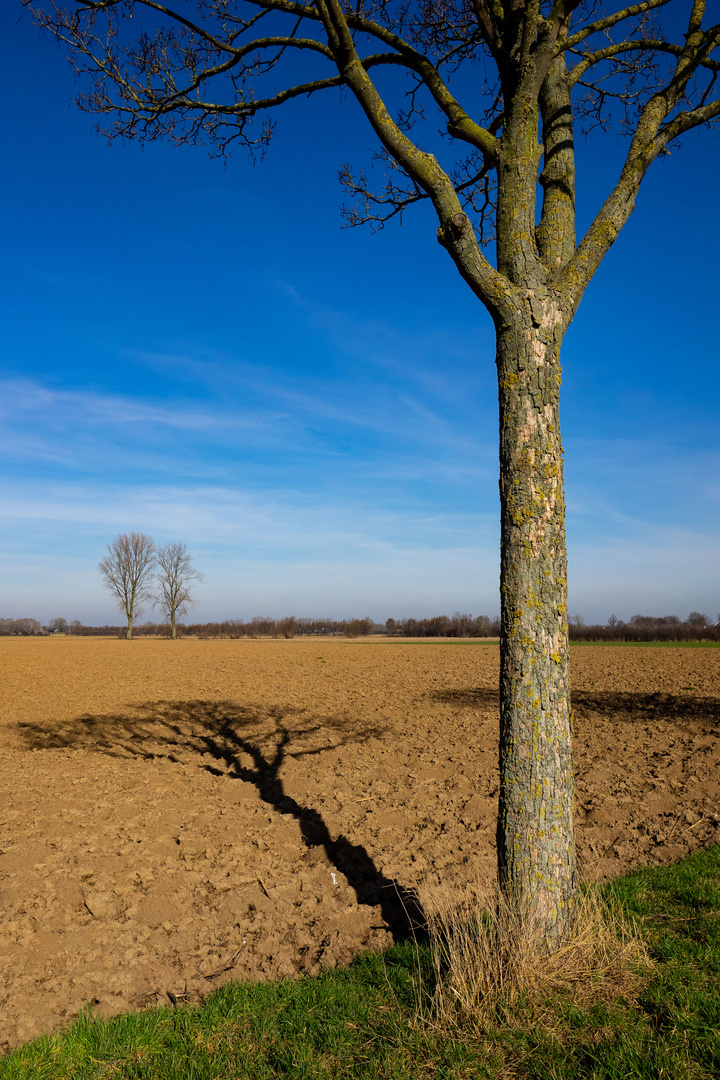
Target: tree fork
x: 535, y: 837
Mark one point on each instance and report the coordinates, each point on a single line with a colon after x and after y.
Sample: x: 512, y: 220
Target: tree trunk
x: 173, y: 626
x: 536, y: 851
x: 128, y: 636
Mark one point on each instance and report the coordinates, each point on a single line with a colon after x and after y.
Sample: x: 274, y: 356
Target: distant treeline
x: 697, y: 627
x: 21, y: 627
x: 231, y: 628
x: 288, y: 627
x: 455, y: 626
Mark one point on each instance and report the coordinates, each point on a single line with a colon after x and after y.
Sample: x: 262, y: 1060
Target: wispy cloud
x: 62, y: 409
x: 256, y: 423
x: 388, y: 409
x: 272, y: 521
x: 425, y: 353
x: 623, y: 484
x: 276, y: 549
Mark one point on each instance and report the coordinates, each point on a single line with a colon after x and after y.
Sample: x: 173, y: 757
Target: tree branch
x: 653, y: 133
x: 455, y: 232
x: 159, y: 83
x: 642, y: 45
x: 609, y: 21
x: 685, y: 121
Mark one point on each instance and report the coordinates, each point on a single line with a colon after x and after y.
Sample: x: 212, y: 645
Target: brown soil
x: 175, y: 815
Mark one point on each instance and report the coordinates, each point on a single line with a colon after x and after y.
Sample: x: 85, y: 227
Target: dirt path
x: 174, y: 815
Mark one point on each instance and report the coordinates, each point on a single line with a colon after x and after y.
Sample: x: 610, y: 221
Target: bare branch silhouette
x: 249, y: 745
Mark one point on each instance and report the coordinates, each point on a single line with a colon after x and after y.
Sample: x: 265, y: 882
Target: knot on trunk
x: 453, y: 229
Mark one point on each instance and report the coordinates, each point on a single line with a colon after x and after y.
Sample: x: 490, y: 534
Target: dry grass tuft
x: 492, y: 964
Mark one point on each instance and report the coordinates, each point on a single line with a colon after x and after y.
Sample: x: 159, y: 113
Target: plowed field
x: 174, y: 815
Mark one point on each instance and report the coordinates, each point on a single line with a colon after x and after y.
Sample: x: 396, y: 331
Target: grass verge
x: 366, y: 1021
x: 582, y: 643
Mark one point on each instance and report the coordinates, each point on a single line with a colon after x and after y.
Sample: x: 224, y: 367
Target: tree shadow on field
x: 701, y: 715
x: 472, y: 697
x: 244, y: 743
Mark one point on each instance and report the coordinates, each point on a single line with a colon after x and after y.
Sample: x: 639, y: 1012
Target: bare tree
x: 174, y: 581
x: 530, y: 70
x: 24, y: 627
x: 127, y: 570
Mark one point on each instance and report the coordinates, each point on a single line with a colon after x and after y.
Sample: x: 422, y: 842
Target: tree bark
x: 535, y: 838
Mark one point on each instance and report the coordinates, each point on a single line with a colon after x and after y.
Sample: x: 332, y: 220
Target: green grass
x: 365, y: 1021
x: 495, y: 641
x: 391, y: 640
x: 652, y: 644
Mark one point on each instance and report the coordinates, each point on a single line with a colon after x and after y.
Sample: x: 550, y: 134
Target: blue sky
x: 201, y: 353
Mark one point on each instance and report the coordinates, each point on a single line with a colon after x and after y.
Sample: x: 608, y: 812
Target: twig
x: 225, y: 967
x: 677, y: 822
x: 611, y: 845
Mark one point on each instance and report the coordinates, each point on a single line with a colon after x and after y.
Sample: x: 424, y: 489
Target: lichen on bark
x: 536, y: 855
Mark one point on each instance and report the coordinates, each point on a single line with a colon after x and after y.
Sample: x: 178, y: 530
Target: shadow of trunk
x: 240, y: 742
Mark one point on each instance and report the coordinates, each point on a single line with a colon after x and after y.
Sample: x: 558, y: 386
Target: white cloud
x: 272, y: 552
x: 63, y: 409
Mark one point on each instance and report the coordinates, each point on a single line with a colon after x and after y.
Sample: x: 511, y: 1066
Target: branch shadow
x: 244, y: 743
x: 699, y: 714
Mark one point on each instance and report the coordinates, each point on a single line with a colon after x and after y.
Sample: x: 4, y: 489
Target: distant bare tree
x: 58, y: 625
x: 287, y: 627
x: 175, y: 578
x: 127, y: 570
